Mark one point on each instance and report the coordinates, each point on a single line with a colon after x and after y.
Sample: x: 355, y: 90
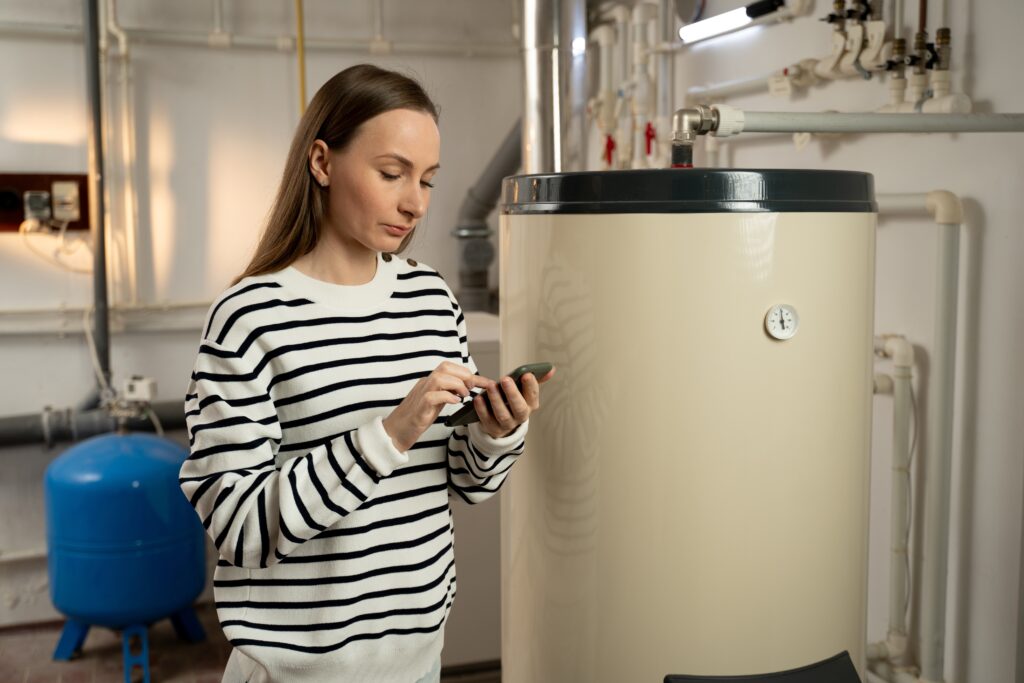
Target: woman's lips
x: 397, y: 229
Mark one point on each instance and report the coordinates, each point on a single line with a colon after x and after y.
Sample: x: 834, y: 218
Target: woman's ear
x: 320, y: 163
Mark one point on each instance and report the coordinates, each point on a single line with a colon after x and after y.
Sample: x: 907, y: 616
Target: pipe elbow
x: 945, y: 206
x: 900, y: 350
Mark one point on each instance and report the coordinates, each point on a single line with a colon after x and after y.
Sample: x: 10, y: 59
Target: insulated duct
x: 471, y: 227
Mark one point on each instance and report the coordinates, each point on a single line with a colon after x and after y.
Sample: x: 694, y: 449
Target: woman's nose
x: 414, y: 202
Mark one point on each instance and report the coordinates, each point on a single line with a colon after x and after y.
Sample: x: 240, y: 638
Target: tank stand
x: 72, y: 637
x: 134, y: 640
x: 187, y: 626
x: 135, y: 647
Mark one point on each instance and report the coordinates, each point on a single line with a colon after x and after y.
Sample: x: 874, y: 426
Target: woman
x: 320, y: 463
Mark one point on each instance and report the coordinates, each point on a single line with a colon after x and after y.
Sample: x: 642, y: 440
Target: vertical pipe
x: 900, y: 518
x: 538, y: 143
x: 553, y: 84
x: 572, y: 92
x: 939, y: 459
x: 218, y: 16
x: 665, y: 86
x: 97, y: 208
x: 300, y: 50
x: 897, y: 19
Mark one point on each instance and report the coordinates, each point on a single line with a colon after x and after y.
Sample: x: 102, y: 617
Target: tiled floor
x: 26, y: 656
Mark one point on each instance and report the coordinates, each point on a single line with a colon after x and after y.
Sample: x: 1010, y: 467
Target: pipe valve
x: 687, y: 124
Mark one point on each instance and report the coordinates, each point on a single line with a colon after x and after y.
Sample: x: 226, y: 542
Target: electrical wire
x: 155, y: 420
x: 28, y: 227
x: 106, y: 393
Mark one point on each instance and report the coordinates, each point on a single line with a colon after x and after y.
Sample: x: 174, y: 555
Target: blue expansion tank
x: 125, y: 547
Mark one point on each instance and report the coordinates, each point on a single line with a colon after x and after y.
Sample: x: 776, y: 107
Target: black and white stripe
x: 321, y: 556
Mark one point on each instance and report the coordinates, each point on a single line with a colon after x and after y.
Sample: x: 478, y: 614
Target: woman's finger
x: 483, y: 411
x: 531, y: 391
x: 498, y: 407
x: 453, y: 384
x: 517, y: 402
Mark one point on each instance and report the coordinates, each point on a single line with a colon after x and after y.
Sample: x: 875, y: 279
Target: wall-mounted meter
x: 781, y: 321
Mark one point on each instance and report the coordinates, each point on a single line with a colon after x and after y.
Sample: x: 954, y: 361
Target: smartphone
x: 467, y: 413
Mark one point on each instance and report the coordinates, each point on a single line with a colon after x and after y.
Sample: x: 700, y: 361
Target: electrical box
x: 137, y: 388
x: 53, y: 197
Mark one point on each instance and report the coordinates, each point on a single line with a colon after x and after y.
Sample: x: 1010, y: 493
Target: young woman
x: 320, y: 463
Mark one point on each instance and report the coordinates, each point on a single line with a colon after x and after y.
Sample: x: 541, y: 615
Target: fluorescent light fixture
x: 730, y: 21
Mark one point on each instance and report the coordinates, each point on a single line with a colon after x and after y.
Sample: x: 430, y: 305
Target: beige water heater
x: 694, y: 496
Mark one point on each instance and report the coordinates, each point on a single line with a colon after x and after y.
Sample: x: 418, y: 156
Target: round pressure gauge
x: 781, y: 321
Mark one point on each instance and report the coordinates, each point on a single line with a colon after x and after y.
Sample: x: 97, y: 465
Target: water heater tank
x: 125, y: 547
x: 693, y: 501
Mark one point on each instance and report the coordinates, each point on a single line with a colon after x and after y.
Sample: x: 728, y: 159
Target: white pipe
x: 935, y: 540
x: 218, y: 16
x: 130, y: 205
x: 902, y: 354
x: 947, y: 211
x: 641, y: 94
x: 665, y: 81
x: 278, y: 43
x: 733, y: 121
x: 740, y: 86
x: 943, y: 16
x: 897, y: 19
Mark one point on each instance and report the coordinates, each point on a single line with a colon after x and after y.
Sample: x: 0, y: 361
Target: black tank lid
x: 689, y: 190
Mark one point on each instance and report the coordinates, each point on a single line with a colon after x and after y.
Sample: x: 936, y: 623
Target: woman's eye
x: 426, y: 184
x: 389, y: 176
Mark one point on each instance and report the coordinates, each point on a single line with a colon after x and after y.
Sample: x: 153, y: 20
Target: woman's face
x: 379, y: 185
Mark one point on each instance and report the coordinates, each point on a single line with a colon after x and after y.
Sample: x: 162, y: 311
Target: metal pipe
x: 101, y: 321
x: 554, y: 50
x: 54, y: 426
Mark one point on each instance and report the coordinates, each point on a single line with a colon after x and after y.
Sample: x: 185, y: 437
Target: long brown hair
x: 342, y: 104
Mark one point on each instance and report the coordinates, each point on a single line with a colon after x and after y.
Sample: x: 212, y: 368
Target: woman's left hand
x: 499, y: 417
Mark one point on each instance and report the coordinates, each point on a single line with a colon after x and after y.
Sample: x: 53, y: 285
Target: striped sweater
x: 336, y: 550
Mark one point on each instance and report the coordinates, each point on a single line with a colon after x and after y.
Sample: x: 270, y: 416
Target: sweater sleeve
x: 255, y: 510
x: 477, y: 462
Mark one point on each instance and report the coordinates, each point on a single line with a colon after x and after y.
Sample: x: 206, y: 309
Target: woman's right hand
x: 448, y: 383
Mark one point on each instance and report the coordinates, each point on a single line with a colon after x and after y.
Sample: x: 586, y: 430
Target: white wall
x: 213, y: 128
x: 986, y: 170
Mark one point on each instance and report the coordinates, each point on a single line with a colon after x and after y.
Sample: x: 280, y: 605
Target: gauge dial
x: 781, y: 321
